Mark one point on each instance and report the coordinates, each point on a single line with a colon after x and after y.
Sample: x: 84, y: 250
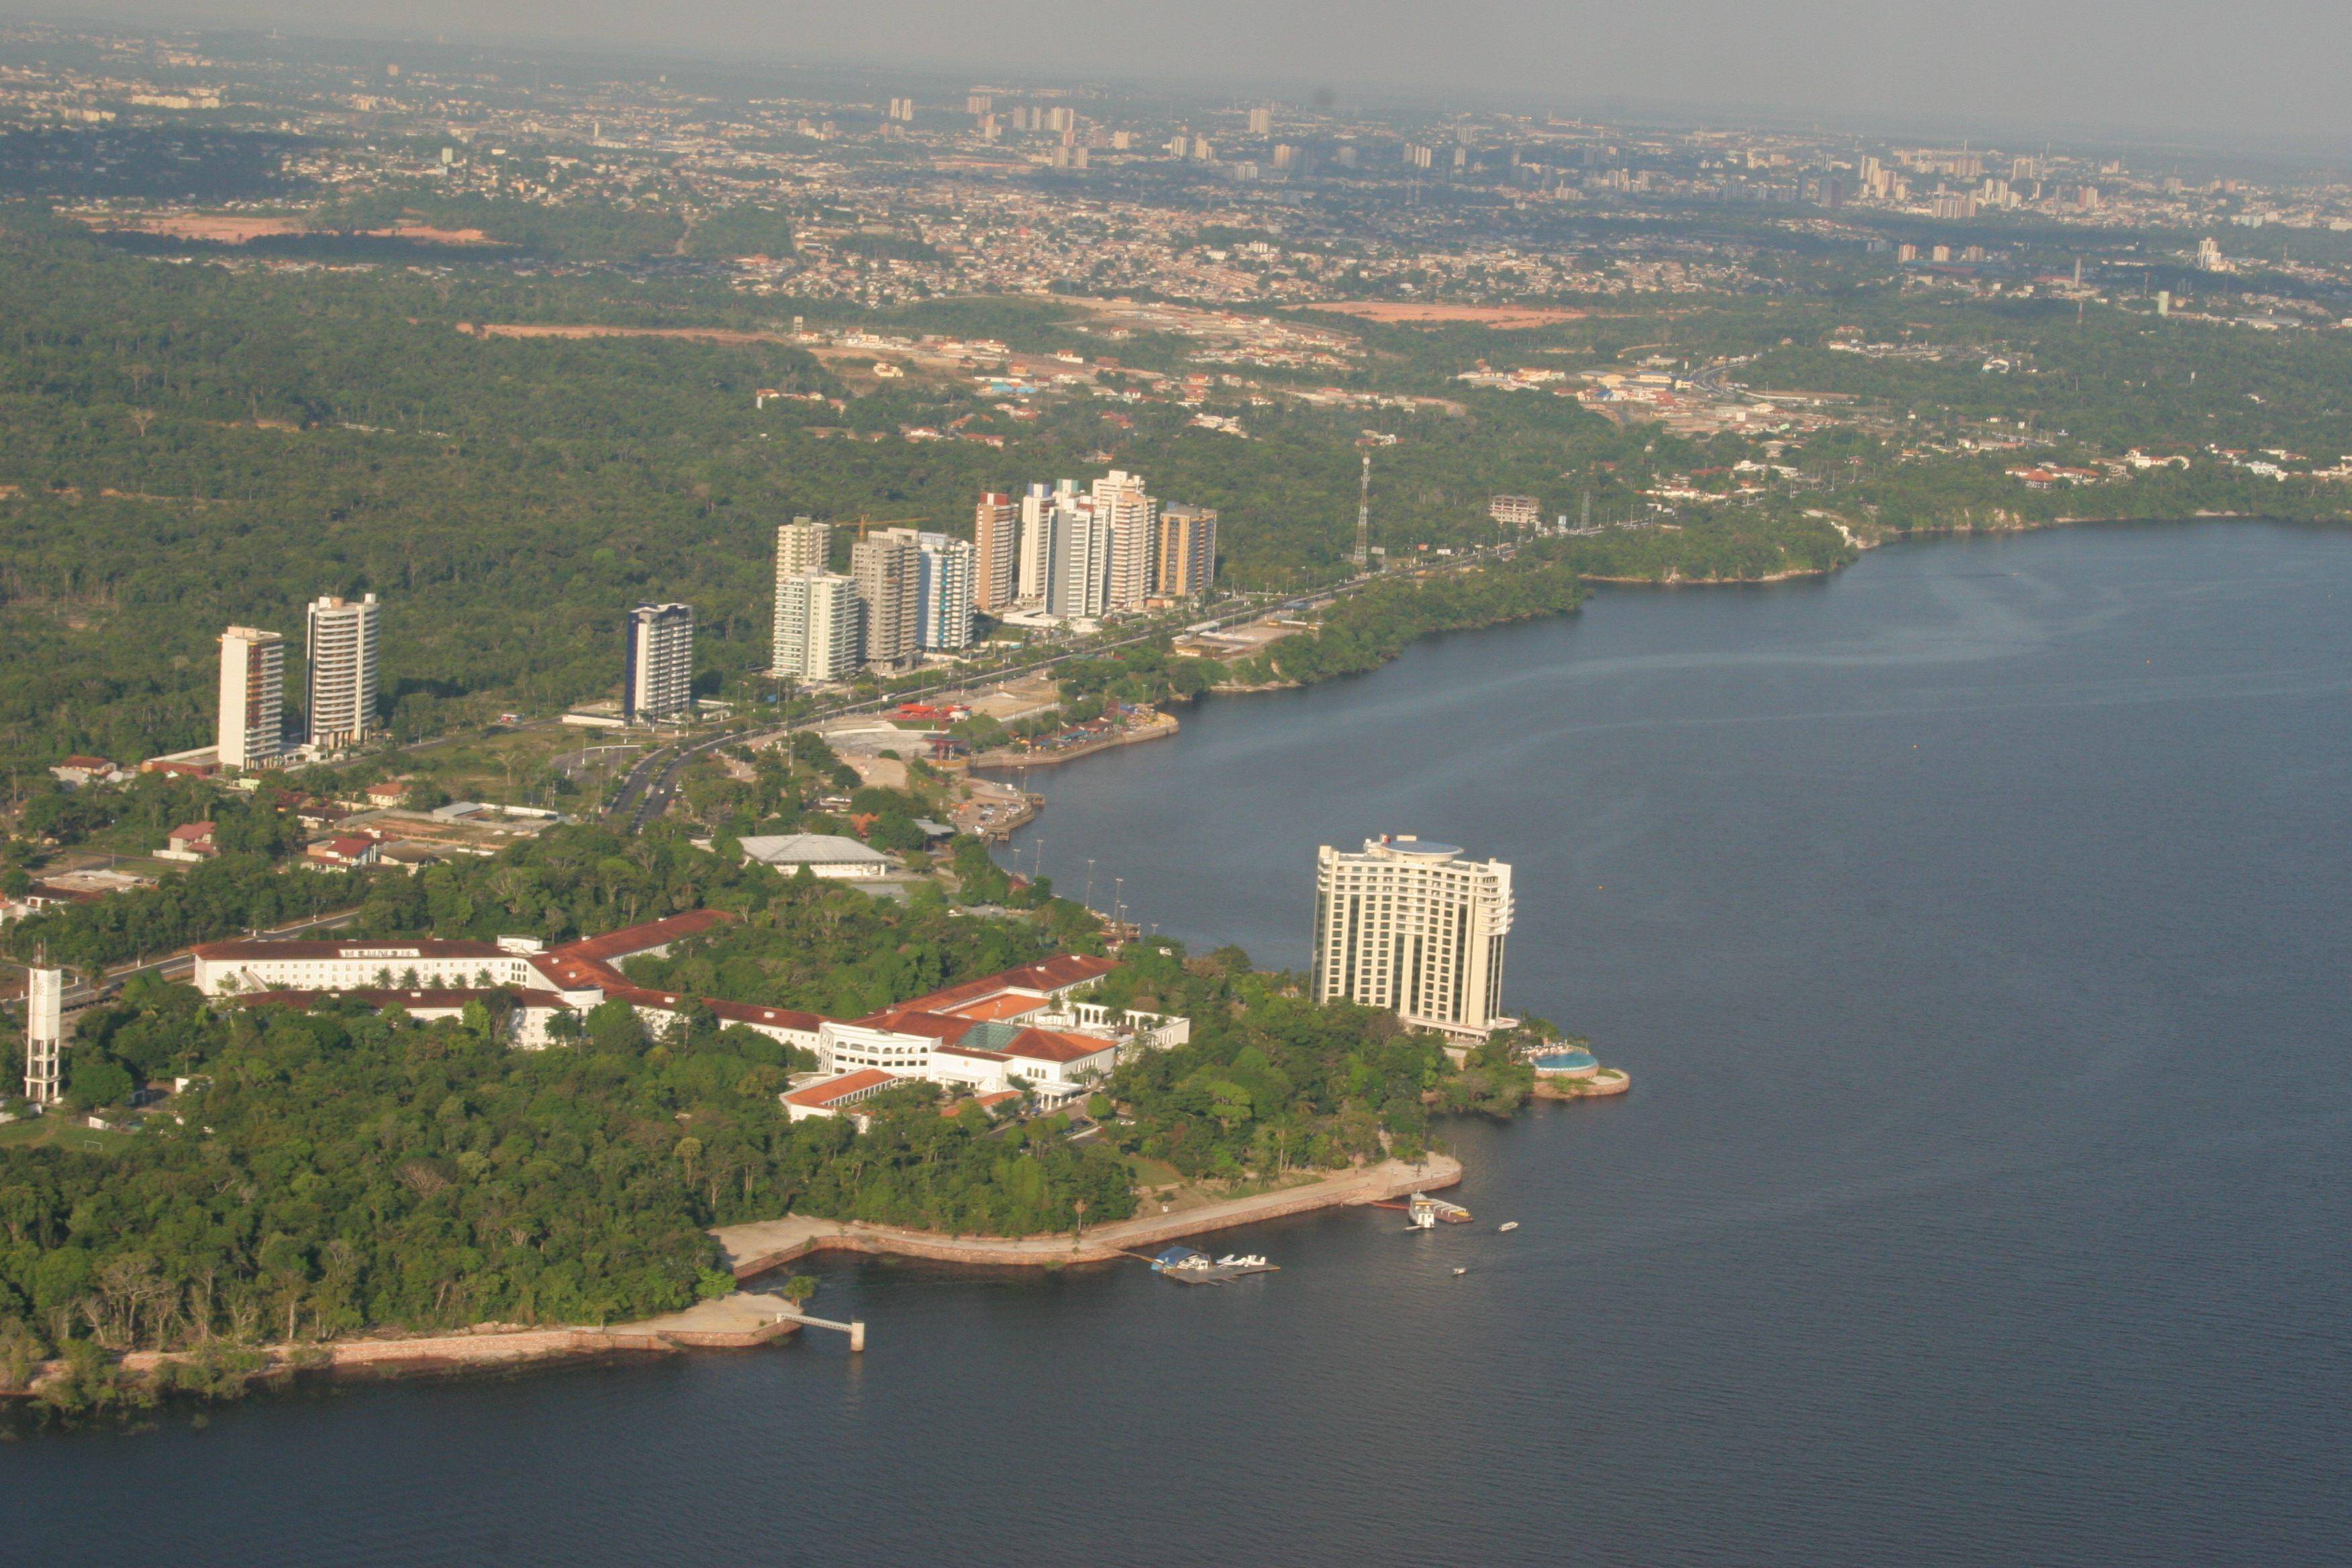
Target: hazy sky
x: 2261, y: 68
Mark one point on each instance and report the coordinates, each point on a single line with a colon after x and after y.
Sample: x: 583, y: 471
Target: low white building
x: 824, y: 854
x: 248, y: 964
x: 1020, y: 1028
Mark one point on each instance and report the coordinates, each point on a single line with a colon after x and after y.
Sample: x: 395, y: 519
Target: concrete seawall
x: 755, y: 1249
x: 738, y: 1321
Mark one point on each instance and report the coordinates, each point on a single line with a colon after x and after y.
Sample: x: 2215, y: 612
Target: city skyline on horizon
x: 2082, y: 71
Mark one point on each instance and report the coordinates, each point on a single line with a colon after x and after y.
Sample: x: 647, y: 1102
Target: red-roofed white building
x: 189, y: 841
x: 835, y: 1096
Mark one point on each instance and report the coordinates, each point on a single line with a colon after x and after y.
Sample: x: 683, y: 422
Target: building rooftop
x: 252, y: 947
x: 814, y: 850
x: 832, y: 1090
x: 620, y: 944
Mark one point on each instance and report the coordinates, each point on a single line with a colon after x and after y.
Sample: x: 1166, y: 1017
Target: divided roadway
x: 648, y: 788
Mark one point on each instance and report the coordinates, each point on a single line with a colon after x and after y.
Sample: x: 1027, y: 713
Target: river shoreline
x: 744, y: 1321
x: 764, y: 1245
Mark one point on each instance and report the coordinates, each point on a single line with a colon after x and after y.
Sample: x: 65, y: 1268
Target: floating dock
x: 1186, y: 1267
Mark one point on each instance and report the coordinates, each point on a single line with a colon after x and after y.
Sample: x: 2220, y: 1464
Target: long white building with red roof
x: 1022, y: 1029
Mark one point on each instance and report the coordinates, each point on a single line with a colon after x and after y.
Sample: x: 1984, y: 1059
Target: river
x: 1974, y: 926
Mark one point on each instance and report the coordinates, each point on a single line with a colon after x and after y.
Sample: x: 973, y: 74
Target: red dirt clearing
x: 1496, y: 316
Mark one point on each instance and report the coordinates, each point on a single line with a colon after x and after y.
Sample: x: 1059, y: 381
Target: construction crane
x: 866, y: 522
x: 1364, y: 519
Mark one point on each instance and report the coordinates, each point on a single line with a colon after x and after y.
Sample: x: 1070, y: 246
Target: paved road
x: 648, y: 788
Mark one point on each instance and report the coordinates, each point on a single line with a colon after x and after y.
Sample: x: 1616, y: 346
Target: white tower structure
x: 819, y: 619
x: 943, y: 593
x: 1040, y: 515
x: 1127, y: 512
x: 252, y: 733
x: 658, y: 683
x: 343, y: 659
x: 804, y: 549
x: 1414, y: 928
x: 44, y: 1033
x: 803, y: 546
x: 1080, y: 585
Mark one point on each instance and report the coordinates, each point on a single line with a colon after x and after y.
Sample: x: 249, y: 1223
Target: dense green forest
x: 189, y: 445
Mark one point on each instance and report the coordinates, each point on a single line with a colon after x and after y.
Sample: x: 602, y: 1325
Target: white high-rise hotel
x: 342, y: 657
x: 1414, y: 928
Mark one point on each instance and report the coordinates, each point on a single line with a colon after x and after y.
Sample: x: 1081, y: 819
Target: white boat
x: 1460, y: 1272
x: 1508, y: 1225
x: 1236, y: 1260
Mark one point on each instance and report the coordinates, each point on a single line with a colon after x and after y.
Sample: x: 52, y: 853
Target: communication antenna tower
x: 1364, y: 517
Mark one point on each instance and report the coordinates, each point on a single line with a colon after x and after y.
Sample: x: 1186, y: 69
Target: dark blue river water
x: 1974, y: 929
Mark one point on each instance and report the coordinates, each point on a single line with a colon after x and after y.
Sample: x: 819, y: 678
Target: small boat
x: 1508, y: 1225
x: 1237, y: 1260
x: 1460, y: 1272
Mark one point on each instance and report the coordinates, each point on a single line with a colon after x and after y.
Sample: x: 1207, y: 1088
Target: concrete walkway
x: 762, y: 1244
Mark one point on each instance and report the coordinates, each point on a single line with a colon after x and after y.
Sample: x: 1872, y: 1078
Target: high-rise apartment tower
x: 1185, y: 562
x: 819, y: 621
x: 252, y: 733
x: 1123, y: 505
x: 995, y: 539
x: 943, y: 593
x: 1078, y: 588
x: 658, y: 679
x: 341, y: 648
x: 888, y: 570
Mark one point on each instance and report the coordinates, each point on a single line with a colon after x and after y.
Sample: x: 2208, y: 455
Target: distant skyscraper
x: 658, y: 680
x: 341, y: 648
x: 887, y: 571
x: 1039, y: 521
x: 995, y: 538
x: 943, y: 594
x: 1413, y: 928
x: 1186, y: 558
x: 1123, y: 506
x: 44, y: 1033
x: 1080, y: 586
x: 818, y: 621
x: 802, y: 547
x: 252, y: 733
x: 1260, y: 122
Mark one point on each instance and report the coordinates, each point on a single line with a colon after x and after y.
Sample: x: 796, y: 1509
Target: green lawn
x: 60, y: 1131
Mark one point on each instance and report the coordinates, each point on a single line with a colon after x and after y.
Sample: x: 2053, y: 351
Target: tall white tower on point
x: 45, y: 1034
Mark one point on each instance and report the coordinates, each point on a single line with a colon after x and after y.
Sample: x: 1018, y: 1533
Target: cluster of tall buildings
x: 1073, y: 554
x: 907, y: 593
x: 1081, y: 555
x: 1058, y: 551
x: 340, y: 701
